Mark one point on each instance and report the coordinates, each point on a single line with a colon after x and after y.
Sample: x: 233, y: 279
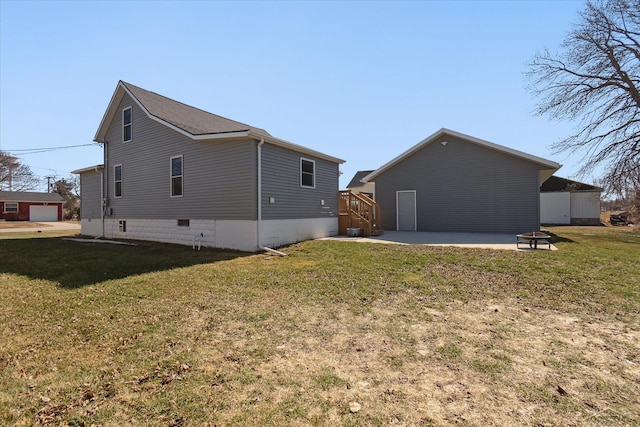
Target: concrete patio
x: 463, y: 240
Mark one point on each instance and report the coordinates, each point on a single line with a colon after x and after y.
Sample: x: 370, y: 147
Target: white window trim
x: 171, y: 175
x: 130, y: 124
x: 4, y: 209
x: 314, y: 172
x: 114, y: 182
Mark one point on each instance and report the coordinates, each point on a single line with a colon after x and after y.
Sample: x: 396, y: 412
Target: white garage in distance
x: 567, y: 202
x: 43, y: 213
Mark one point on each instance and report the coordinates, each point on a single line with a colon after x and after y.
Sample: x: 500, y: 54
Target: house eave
x: 33, y: 201
x: 117, y: 96
x: 87, y: 169
x: 295, y: 147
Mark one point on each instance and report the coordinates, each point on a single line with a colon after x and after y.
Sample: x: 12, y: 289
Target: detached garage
x: 458, y: 183
x: 30, y: 206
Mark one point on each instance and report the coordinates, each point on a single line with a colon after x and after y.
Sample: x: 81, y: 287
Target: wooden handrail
x: 361, y: 211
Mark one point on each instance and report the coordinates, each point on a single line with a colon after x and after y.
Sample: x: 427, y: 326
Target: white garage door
x: 43, y: 213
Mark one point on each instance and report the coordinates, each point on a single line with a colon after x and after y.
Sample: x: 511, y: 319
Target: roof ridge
x: 128, y: 85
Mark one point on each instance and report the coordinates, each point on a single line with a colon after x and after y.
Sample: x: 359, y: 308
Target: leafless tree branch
x: 595, y: 81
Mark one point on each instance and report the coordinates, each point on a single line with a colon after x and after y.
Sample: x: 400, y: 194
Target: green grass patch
x: 159, y: 334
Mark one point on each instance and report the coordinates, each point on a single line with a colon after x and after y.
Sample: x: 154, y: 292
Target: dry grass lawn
x: 335, y: 334
x: 21, y: 224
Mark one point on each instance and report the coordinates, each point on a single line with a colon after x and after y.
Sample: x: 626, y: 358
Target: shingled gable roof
x: 548, y: 166
x: 190, y: 121
x: 30, y: 196
x: 356, y: 181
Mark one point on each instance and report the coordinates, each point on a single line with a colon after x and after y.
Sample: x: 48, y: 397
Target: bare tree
x: 68, y: 189
x: 595, y: 80
x: 14, y: 176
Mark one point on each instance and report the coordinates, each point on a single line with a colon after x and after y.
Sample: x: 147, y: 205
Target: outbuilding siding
x: 463, y: 187
x: 218, y: 177
x: 585, y: 208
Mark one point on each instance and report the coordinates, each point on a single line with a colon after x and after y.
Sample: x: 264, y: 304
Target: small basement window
x: 122, y: 226
x: 183, y: 223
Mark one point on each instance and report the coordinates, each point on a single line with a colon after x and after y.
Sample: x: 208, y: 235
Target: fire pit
x: 533, y: 238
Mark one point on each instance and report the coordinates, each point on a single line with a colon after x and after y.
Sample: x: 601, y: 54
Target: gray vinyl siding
x: 281, y: 180
x: 464, y: 187
x: 219, y: 178
x: 90, y: 205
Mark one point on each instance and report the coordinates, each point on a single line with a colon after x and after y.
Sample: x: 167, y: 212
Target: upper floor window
x: 126, y: 124
x: 176, y: 176
x: 10, y: 207
x: 117, y: 181
x: 307, y: 173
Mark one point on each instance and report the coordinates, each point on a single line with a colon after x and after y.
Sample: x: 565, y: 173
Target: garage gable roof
x: 25, y: 196
x: 545, y: 164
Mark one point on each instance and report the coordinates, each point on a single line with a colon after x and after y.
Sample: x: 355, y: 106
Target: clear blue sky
x: 362, y: 81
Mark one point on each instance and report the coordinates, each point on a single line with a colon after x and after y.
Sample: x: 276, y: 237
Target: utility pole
x: 49, y: 178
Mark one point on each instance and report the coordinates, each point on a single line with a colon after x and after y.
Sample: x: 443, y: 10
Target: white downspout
x: 264, y: 248
x: 105, y: 183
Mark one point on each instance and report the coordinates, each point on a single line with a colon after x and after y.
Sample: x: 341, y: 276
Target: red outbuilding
x: 30, y: 206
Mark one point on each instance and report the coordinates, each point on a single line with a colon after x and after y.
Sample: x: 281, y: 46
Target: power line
x: 24, y: 151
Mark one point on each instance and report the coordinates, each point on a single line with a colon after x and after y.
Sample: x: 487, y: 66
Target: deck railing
x: 359, y: 211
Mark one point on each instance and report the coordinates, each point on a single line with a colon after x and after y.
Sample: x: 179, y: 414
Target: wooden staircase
x: 359, y: 211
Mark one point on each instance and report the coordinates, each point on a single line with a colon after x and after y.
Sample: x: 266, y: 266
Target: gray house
x: 177, y: 174
x: 455, y: 182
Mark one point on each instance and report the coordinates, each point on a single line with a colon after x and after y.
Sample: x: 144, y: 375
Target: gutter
x: 295, y: 147
x: 259, y: 221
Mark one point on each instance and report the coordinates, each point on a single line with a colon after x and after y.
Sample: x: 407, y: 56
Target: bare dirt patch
x: 477, y: 363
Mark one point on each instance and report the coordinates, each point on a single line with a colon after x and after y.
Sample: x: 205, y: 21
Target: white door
x: 43, y: 213
x: 555, y: 208
x: 406, y: 210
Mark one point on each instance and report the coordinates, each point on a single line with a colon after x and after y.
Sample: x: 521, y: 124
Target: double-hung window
x: 176, y: 176
x: 307, y: 173
x: 117, y: 181
x: 126, y: 124
x: 10, y: 207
